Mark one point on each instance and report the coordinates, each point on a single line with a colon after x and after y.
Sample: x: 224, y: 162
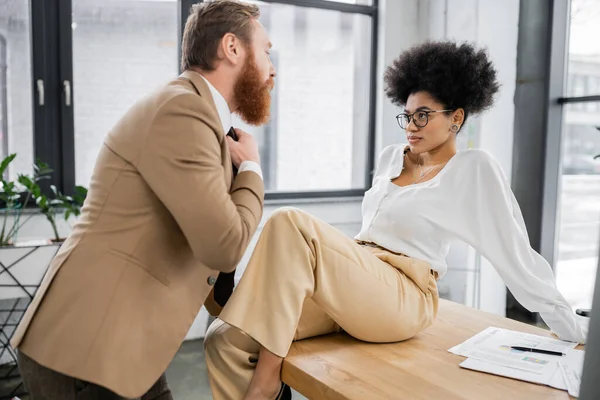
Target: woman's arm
x: 490, y: 220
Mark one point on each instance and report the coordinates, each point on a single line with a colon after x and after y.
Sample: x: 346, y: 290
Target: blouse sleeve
x: 491, y: 221
x: 384, y: 161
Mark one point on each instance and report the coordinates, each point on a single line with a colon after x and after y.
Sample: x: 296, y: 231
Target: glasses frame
x: 414, y: 121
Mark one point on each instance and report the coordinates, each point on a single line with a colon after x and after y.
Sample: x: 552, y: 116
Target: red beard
x: 252, y: 94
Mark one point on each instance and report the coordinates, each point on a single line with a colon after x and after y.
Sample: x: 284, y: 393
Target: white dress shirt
x: 469, y: 199
x: 225, y: 117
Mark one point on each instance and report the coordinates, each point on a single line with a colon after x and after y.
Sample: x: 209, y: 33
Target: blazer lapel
x: 202, y: 89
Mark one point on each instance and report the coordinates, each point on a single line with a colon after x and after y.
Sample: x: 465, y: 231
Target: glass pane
x: 318, y: 135
x: 122, y: 50
x: 584, y: 50
x: 579, y: 224
x: 16, y: 120
x: 579, y: 196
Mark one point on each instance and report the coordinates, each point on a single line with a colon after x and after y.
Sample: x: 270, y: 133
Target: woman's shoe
x: 285, y: 393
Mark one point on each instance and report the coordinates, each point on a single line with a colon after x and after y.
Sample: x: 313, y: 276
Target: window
x: 16, y: 121
x: 318, y: 137
x: 578, y: 227
x: 583, y: 47
x: 96, y: 59
x: 121, y: 51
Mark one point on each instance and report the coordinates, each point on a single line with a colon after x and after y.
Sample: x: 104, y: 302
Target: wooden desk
x: 338, y: 367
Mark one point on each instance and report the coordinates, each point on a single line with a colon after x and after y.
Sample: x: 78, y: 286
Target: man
x: 164, y: 215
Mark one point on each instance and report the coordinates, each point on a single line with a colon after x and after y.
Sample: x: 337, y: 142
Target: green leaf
x: 26, y: 181
x: 9, y: 187
x: 5, y: 163
x: 41, y: 168
x: 80, y: 195
x: 42, y: 201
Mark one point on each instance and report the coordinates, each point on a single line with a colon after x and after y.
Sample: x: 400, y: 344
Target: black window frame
x: 52, y: 64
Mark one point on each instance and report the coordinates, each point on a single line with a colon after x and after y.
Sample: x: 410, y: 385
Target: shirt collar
x: 222, y: 107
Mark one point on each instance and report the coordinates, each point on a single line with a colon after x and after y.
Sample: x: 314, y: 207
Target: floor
x: 186, y: 375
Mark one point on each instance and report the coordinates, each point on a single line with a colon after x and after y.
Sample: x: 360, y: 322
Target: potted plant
x: 12, y: 205
x: 21, y: 266
x: 23, y: 263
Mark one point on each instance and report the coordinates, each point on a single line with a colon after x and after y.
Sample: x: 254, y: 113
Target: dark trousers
x: 45, y: 384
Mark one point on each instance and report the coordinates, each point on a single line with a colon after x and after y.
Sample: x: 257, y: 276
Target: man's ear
x: 230, y: 49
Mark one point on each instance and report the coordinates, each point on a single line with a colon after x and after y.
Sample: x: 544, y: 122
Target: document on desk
x: 571, y: 367
x: 490, y: 351
x: 494, y: 345
x: 555, y: 380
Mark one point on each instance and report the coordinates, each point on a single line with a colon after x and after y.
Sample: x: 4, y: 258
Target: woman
x: 305, y: 278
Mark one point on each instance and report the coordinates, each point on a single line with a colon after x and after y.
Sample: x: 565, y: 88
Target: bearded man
x: 164, y: 216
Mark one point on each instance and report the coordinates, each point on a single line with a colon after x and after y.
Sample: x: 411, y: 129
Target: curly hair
x: 456, y: 75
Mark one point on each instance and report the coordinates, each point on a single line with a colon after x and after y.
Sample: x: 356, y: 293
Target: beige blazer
x: 163, y: 216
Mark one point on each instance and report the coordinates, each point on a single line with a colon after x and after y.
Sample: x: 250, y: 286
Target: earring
x: 454, y: 128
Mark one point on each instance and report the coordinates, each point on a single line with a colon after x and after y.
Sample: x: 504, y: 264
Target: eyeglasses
x: 419, y: 118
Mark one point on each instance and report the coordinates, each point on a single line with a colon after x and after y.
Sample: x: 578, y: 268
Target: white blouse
x: 469, y: 199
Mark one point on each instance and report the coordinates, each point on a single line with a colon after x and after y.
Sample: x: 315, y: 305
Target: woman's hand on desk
x: 565, y: 324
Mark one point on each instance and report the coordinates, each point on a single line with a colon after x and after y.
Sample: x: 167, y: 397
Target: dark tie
x: 234, y: 136
x: 225, y: 280
x: 232, y: 133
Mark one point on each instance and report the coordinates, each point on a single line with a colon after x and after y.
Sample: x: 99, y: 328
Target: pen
x: 552, y: 353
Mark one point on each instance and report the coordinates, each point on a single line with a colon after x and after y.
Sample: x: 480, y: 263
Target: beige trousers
x: 305, y: 278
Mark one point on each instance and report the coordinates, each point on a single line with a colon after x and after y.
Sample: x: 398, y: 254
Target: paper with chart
x: 492, y: 347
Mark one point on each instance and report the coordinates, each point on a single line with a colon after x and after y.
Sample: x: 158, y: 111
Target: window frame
x: 52, y: 63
